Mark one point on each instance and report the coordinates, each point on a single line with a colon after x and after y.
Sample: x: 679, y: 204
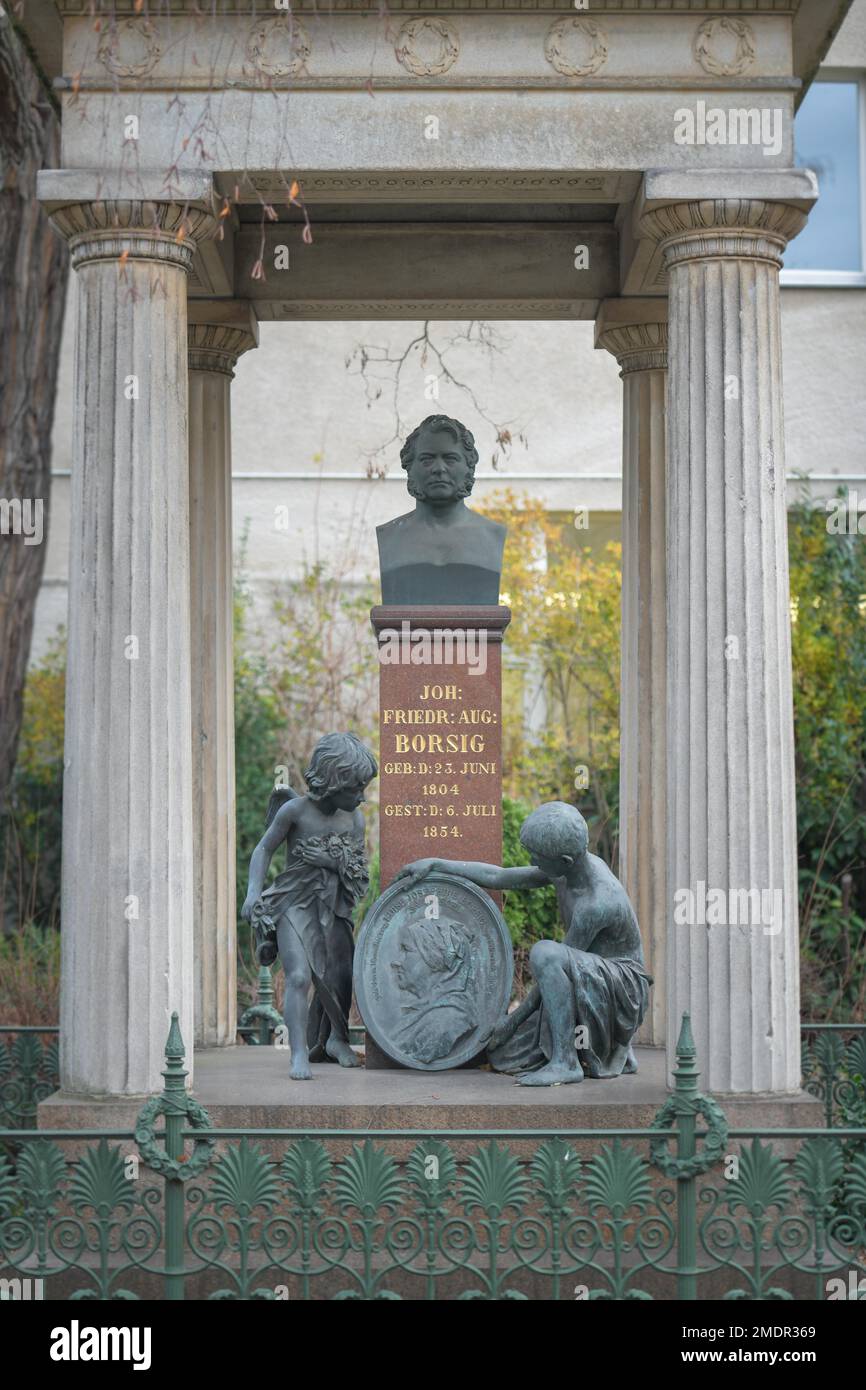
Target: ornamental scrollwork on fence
x: 509, y: 1220
x: 492, y: 1227
x: 28, y: 1074
x: 714, y: 1143
x: 79, y: 1230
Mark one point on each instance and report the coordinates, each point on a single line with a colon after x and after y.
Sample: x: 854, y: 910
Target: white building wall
x: 297, y: 410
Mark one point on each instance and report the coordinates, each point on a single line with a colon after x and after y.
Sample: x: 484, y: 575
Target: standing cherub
x: 306, y: 913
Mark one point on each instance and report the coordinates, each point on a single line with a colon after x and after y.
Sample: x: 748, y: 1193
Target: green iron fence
x: 29, y: 1072
x: 834, y: 1070
x: 686, y: 1208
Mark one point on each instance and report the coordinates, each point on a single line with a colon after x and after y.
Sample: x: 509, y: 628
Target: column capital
x: 218, y: 332
x: 106, y: 214
x: 747, y: 228
x: 138, y: 229
x: 635, y: 331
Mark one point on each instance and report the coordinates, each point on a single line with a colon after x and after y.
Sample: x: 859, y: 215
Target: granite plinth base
x: 249, y: 1087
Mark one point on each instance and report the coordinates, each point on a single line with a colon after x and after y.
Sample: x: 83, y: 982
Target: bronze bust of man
x: 440, y: 553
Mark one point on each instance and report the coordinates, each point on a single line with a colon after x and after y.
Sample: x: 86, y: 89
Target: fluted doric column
x: 635, y: 331
x: 217, y: 335
x: 127, y: 882
x: 732, y: 863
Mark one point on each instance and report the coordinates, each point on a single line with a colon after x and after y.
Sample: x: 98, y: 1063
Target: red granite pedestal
x: 440, y: 727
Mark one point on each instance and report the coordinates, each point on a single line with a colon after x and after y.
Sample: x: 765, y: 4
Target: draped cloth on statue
x: 432, y: 1029
x: 610, y: 997
x: 317, y: 904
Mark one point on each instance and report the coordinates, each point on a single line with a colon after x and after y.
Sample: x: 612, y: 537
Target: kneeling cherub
x: 591, y: 990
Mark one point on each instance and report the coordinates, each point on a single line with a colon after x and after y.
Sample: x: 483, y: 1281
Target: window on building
x: 828, y: 137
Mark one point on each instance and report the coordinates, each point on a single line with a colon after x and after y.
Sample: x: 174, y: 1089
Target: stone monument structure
x: 600, y: 207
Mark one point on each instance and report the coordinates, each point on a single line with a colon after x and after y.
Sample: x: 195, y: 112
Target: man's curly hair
x: 454, y: 427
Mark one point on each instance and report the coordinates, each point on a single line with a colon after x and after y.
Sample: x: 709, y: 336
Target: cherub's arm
x: 485, y: 875
x: 279, y: 828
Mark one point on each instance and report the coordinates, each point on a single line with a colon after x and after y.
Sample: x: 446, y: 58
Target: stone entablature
x: 642, y: 49
x: 468, y: 90
x: 242, y: 7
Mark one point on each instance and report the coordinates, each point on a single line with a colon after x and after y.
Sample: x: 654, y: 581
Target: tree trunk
x: 34, y: 268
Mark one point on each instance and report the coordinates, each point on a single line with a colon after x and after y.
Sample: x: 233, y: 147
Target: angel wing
x: 279, y: 797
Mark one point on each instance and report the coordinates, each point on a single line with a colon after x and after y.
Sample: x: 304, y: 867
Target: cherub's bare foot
x: 341, y: 1052
x: 301, y: 1069
x: 554, y: 1074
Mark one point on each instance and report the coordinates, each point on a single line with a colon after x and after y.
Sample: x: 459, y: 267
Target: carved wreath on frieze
x: 576, y: 47
x: 277, y: 47
x: 130, y: 48
x: 427, y: 47
x: 711, y: 60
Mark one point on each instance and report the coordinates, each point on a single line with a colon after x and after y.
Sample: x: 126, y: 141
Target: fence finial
x: 175, y: 1052
x: 686, y: 1071
x: 685, y: 1041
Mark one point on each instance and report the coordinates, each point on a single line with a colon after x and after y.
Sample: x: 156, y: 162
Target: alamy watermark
x: 22, y: 517
x: 729, y: 907
x: 77, y: 1343
x: 846, y: 515
x: 17, y: 1290
x: 437, y: 646
x: 717, y: 125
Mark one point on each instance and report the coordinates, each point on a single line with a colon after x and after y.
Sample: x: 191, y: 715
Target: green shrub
x: 828, y: 610
x: 31, y: 829
x: 30, y: 976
